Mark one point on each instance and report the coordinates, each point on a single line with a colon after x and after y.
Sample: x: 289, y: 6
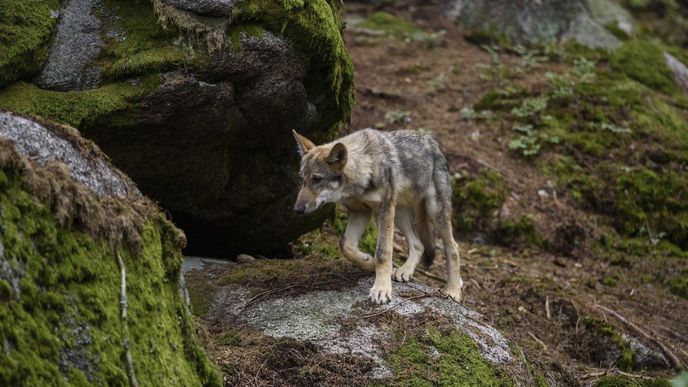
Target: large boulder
x: 309, y: 322
x: 89, y: 270
x: 195, y: 101
x: 542, y: 21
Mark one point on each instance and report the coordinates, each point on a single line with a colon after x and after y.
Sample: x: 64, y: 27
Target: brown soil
x: 541, y: 301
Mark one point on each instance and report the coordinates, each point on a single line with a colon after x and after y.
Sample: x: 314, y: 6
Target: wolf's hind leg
x: 439, y: 211
x: 348, y: 244
x: 451, y: 253
x: 404, y: 220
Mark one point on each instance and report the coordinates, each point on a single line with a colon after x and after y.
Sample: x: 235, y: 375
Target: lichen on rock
x: 420, y: 336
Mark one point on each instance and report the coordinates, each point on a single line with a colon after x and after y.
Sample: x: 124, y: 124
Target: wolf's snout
x: 299, y: 209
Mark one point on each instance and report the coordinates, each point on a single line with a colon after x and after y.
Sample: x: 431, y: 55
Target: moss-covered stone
x: 644, y: 62
x: 80, y: 109
x: 190, y: 102
x: 25, y: 30
x: 60, y: 288
x: 599, y: 343
x: 146, y: 47
x: 307, y: 321
x: 314, y: 28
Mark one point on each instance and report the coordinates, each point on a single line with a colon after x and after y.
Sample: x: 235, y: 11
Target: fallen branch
x: 547, y: 312
x: 123, y: 309
x: 676, y: 363
x: 476, y: 284
x: 430, y: 275
x: 544, y: 346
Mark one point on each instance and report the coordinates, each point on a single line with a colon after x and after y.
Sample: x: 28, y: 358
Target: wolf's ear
x: 304, y: 144
x: 337, y: 157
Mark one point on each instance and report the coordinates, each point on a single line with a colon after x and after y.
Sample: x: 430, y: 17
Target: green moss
x: 520, y: 230
x: 25, y: 30
x: 610, y: 280
x: 388, y: 24
x: 77, y: 108
x: 644, y: 62
x: 489, y: 36
x: 476, y: 199
x: 144, y: 47
x: 679, y: 285
x: 617, y: 32
x: 314, y: 29
x: 620, y: 148
x: 457, y: 362
x: 63, y: 326
x: 599, y: 340
x: 201, y: 296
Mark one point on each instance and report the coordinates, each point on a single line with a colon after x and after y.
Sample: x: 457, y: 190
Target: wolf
x: 401, y: 178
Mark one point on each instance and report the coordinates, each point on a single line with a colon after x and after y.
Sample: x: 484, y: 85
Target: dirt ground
x: 549, y: 305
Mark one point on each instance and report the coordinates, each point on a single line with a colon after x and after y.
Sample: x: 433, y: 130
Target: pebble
x: 244, y: 258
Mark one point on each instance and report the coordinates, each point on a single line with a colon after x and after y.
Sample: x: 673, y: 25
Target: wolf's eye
x: 317, y: 179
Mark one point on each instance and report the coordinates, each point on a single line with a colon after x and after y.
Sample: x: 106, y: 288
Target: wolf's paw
x: 380, y: 294
x: 402, y: 274
x: 453, y: 292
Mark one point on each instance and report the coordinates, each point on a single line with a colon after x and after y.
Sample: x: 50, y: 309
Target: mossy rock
x: 74, y: 229
x: 26, y: 27
x: 308, y: 321
x: 197, y: 106
x: 537, y: 22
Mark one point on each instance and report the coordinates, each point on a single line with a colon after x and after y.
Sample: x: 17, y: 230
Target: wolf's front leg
x: 381, y: 292
x: 348, y: 244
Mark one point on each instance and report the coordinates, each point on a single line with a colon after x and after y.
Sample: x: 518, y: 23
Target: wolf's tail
x: 427, y: 236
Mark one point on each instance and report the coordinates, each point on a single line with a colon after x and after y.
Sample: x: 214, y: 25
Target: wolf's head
x: 321, y: 174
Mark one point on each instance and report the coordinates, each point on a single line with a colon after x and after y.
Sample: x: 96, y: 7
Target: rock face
x: 678, y: 70
x: 196, y: 101
x: 318, y: 309
x: 540, y: 21
x: 74, y: 230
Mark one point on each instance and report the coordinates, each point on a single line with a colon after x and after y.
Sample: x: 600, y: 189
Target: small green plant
x: 530, y: 141
x: 584, y: 70
x: 531, y: 106
x: 398, y: 117
x: 468, y: 113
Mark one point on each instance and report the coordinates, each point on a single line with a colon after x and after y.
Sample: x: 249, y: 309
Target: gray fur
x: 402, y: 177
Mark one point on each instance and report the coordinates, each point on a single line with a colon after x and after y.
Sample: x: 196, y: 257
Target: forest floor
x: 548, y: 304
x: 573, y: 260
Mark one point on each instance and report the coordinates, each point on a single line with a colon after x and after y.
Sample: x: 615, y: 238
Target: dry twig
x: 544, y: 346
x: 547, y: 311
